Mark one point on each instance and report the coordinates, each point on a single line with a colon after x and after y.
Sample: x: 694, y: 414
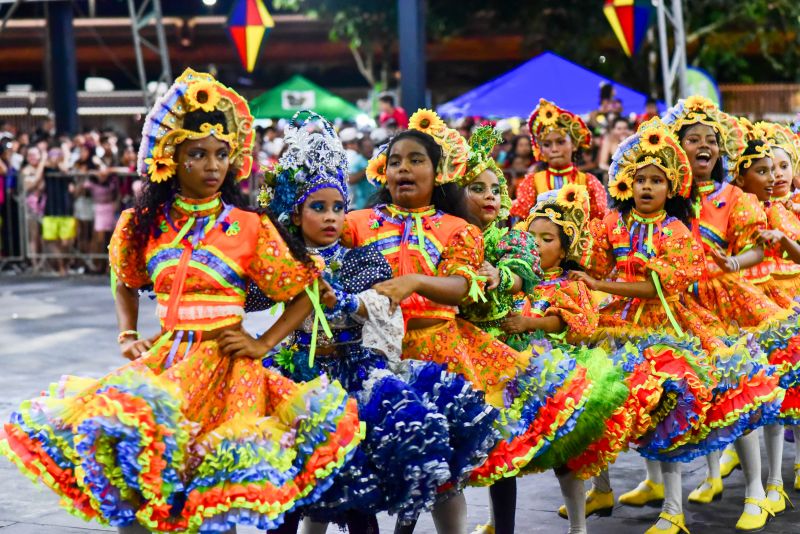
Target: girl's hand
x: 492, y: 275
x: 133, y: 349
x: 238, y: 343
x: 771, y: 237
x: 726, y: 263
x: 326, y: 294
x: 515, y: 324
x: 580, y: 276
x: 397, y: 289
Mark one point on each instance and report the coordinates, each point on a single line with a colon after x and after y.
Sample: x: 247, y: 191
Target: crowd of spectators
x: 60, y: 195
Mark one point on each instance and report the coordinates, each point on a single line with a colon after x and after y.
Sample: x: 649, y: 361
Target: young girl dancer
x: 556, y: 136
x: 656, y: 258
x: 193, y: 434
x: 407, y: 454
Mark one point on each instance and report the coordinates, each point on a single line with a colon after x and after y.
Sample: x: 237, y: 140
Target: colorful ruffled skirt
x: 201, y: 446
x: 425, y: 429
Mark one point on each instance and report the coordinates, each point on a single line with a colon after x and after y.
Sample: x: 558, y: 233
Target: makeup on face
x: 202, y: 166
x: 483, y: 197
x: 321, y: 217
x: 548, y: 242
x: 650, y: 190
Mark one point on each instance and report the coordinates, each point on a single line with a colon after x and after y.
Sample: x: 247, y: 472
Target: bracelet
x: 736, y: 266
x: 127, y: 333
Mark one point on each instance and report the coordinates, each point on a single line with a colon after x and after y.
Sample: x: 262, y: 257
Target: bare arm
x: 641, y: 290
x: 747, y: 259
x: 127, y: 308
x: 515, y: 324
x: 449, y: 290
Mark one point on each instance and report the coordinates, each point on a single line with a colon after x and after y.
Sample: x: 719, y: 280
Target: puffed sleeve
x: 680, y: 259
x: 598, y: 201
x: 746, y: 220
x: 601, y: 257
x: 526, y: 197
x: 573, y: 302
x: 518, y: 254
x: 463, y: 256
x: 349, y: 237
x: 278, y: 274
x: 126, y: 257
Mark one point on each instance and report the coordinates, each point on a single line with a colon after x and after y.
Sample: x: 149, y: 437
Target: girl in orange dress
x: 557, y: 135
x: 193, y: 434
x: 655, y: 258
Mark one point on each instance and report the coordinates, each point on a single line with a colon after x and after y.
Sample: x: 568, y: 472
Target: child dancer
x: 656, y: 258
x: 193, y: 434
x: 556, y: 136
x: 406, y: 455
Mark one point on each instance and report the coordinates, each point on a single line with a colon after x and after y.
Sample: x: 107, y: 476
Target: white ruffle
x: 383, y: 331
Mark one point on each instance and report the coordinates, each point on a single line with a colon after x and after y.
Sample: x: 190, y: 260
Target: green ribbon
x: 659, y: 290
x: 211, y: 204
x: 319, y: 319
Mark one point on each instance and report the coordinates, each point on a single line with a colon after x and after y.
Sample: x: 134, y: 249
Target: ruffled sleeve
x: 598, y: 200
x: 526, y: 197
x: 278, y: 274
x: 463, y: 256
x: 126, y: 257
x: 680, y: 259
x: 601, y: 257
x: 518, y: 254
x: 573, y: 302
x: 746, y: 219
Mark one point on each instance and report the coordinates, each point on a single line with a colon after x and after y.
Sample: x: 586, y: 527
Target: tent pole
x: 411, y: 30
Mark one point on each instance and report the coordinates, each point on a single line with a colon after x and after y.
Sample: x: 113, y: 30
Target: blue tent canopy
x: 516, y: 93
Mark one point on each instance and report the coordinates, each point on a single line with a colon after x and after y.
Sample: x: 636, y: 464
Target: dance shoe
x: 652, y: 493
x: 754, y: 522
x: 484, y: 529
x: 779, y: 506
x: 728, y: 462
x: 597, y: 503
x: 678, y: 525
x: 709, y: 490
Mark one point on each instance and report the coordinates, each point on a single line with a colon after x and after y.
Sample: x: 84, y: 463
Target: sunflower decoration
x: 548, y: 118
x: 376, y: 168
x: 781, y: 136
x: 202, y: 95
x: 163, y: 127
x: 568, y: 208
x: 621, y: 189
x: 482, y: 143
x: 425, y: 120
x: 653, y: 141
x: 699, y: 103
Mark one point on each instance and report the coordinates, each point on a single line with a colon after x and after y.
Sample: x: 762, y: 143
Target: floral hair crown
x: 756, y: 146
x: 163, y: 127
x: 548, y: 118
x: 568, y: 208
x: 313, y: 160
x: 482, y: 142
x: 455, y: 150
x: 652, y: 144
x: 781, y: 136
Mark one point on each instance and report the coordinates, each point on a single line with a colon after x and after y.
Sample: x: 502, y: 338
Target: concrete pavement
x: 55, y: 326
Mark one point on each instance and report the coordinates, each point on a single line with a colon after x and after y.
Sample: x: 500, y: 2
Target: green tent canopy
x: 296, y: 93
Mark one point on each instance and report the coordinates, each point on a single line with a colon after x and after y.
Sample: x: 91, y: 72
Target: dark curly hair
x: 447, y: 198
x: 156, y: 195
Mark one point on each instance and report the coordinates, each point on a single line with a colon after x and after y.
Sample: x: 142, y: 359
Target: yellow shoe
x: 755, y: 522
x: 597, y: 503
x: 797, y: 477
x: 709, y: 490
x: 728, y: 462
x: 484, y: 529
x: 652, y: 493
x: 678, y: 525
x: 779, y: 506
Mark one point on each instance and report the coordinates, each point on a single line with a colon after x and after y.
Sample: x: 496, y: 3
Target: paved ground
x: 52, y: 326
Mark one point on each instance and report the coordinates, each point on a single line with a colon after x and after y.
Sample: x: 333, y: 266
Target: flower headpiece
x: 700, y: 110
x: 756, y: 146
x: 482, y: 142
x: 455, y: 149
x: 568, y: 208
x: 781, y: 136
x: 313, y: 160
x: 652, y: 144
x: 548, y: 118
x: 163, y: 127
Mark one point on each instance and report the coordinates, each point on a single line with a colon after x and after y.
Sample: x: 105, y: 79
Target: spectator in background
x: 58, y: 224
x: 273, y: 144
x: 108, y: 147
x: 102, y: 187
x: 520, y: 153
x: 359, y: 187
x: 619, y: 131
x: 87, y: 164
x: 391, y: 116
x: 32, y: 179
x: 650, y: 111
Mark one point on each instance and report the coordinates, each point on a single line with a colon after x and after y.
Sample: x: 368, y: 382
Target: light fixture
x: 210, y: 2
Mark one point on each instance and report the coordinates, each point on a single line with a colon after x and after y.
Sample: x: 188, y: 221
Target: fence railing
x: 773, y: 101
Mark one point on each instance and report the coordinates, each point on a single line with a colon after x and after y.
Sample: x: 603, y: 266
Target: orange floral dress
x: 534, y: 184
x: 185, y: 437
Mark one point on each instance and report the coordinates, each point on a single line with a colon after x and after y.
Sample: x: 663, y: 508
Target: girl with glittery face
x: 193, y: 433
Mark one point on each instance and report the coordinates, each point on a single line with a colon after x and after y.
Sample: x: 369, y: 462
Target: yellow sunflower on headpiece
x: 622, y: 188
x: 548, y: 114
x: 202, y: 95
x: 425, y: 120
x: 571, y: 196
x: 376, y: 169
x: 653, y: 141
x: 160, y: 168
x: 698, y: 102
